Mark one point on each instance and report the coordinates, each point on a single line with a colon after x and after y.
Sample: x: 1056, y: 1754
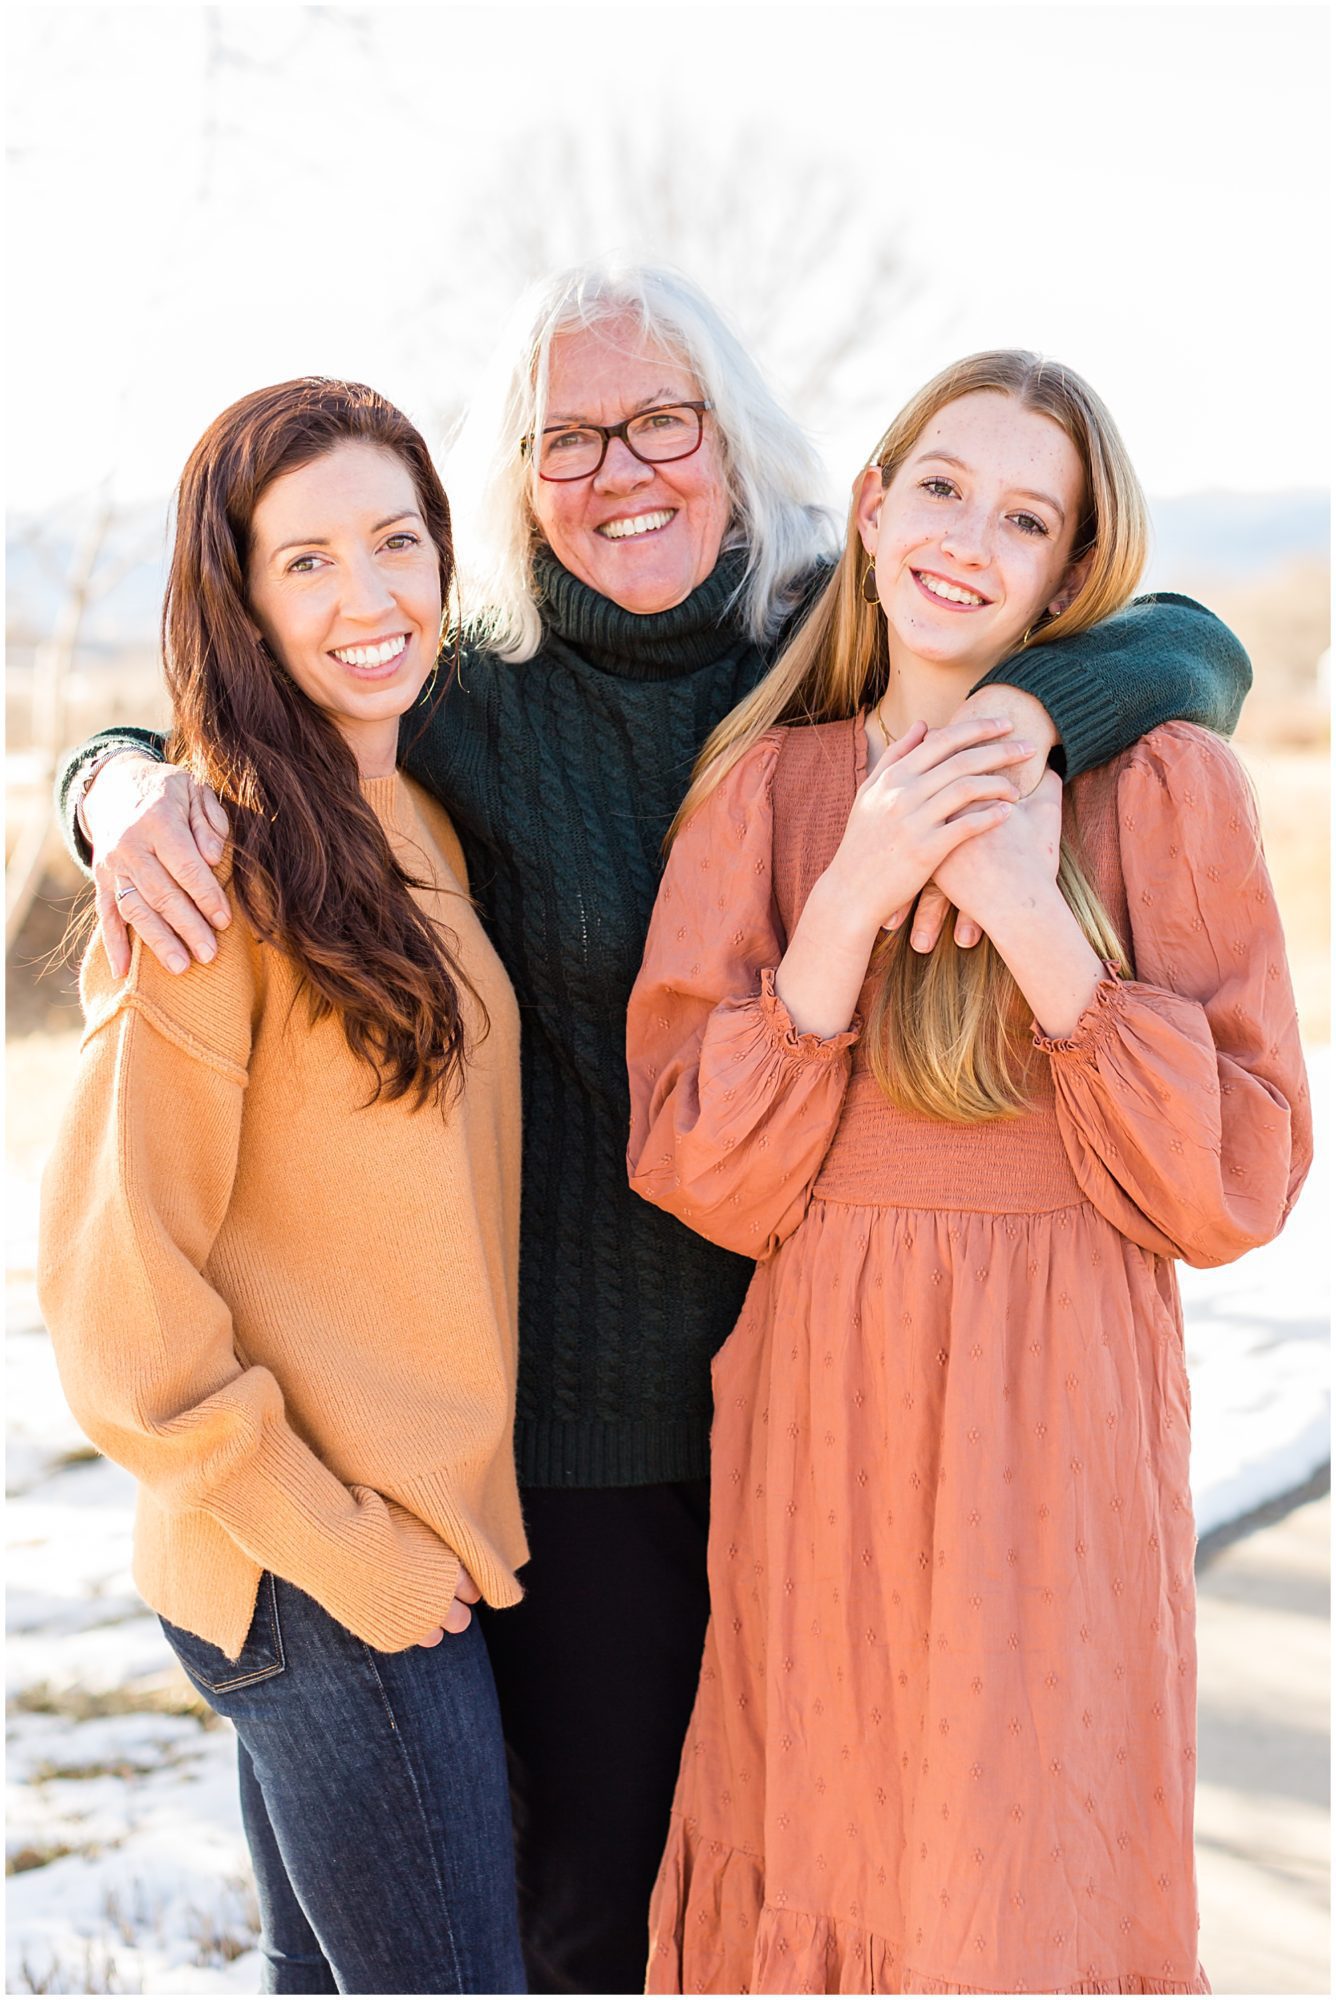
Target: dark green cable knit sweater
x: 562, y: 775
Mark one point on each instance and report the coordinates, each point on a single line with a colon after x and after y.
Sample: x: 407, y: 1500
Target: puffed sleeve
x: 732, y: 1109
x: 1181, y: 1095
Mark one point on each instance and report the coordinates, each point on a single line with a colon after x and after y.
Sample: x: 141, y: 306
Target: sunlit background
x: 207, y: 198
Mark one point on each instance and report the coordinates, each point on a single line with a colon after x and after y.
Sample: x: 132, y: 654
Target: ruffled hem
x: 784, y: 1036
x: 712, y: 1931
x: 1097, y: 1023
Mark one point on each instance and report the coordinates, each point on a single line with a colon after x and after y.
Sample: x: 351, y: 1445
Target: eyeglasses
x: 655, y: 437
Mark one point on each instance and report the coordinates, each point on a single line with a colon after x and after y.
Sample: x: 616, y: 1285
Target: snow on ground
x: 1259, y: 1353
x: 124, y: 1834
x: 126, y: 1861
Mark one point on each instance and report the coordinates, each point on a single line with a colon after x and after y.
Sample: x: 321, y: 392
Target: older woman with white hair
x: 640, y: 529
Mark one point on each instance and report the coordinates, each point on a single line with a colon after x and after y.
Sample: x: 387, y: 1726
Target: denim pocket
x: 261, y: 1655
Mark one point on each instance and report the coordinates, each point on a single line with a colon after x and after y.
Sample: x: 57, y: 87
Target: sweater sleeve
x: 133, y: 1198
x: 146, y: 741
x: 732, y: 1110
x: 1162, y: 658
x: 1181, y: 1096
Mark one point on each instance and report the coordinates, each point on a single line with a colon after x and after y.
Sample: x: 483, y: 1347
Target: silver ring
x: 125, y: 889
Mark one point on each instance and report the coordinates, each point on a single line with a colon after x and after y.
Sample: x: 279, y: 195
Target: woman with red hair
x: 281, y: 1220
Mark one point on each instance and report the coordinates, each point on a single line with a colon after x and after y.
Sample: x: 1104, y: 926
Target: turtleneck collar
x: 385, y: 796
x: 659, y: 645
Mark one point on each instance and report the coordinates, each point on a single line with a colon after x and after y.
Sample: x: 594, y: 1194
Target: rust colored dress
x: 944, y: 1737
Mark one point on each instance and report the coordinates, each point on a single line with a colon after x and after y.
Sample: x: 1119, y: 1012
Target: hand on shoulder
x: 157, y: 835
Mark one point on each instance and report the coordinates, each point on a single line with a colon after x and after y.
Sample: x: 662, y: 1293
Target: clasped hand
x: 942, y: 807
x: 1030, y: 720
x: 931, y: 792
x: 1009, y: 864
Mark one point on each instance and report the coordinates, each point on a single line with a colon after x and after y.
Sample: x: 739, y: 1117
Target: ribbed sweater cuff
x: 68, y: 778
x: 1090, y: 730
x: 368, y: 1562
x: 1161, y: 657
x: 647, y: 1451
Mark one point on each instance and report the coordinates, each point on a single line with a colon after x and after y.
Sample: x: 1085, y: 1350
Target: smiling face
x: 644, y: 535
x: 972, y: 538
x: 344, y: 582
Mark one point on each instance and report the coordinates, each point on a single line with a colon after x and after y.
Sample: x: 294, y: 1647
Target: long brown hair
x: 311, y: 866
x: 946, y: 1029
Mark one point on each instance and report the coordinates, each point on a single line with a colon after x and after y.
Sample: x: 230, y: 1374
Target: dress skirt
x: 944, y: 1739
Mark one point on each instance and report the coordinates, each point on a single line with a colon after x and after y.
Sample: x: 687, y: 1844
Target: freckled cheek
x: 904, y: 553
x: 1037, y: 580
x: 900, y: 538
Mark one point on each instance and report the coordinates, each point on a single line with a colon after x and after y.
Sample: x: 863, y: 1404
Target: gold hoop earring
x: 870, y: 582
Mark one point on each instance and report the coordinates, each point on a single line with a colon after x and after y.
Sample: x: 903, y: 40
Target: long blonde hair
x: 946, y: 1032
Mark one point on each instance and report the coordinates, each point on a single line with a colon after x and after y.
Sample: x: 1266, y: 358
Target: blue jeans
x: 375, y: 1801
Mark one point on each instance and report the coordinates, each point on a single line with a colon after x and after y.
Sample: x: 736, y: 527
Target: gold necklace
x: 881, y: 719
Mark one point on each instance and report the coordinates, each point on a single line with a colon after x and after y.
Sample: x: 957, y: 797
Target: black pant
x: 596, y: 1672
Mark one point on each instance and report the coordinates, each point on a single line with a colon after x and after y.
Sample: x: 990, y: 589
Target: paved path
x: 1263, y: 1829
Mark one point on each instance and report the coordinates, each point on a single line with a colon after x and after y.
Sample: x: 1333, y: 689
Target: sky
x: 203, y: 199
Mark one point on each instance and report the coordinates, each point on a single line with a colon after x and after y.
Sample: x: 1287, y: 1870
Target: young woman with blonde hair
x: 944, y: 1734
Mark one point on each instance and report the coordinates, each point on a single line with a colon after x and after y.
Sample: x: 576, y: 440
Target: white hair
x: 772, y: 473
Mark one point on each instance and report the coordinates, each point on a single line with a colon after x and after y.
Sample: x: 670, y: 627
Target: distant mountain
x: 1197, y: 536
x: 1235, y: 535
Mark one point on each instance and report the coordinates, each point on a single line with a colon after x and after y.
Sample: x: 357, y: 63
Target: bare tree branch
x: 768, y: 230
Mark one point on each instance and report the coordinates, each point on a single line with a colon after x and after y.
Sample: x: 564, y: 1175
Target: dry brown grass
x: 1283, y: 616
x: 39, y: 1069
x: 42, y: 1033
x: 1294, y: 801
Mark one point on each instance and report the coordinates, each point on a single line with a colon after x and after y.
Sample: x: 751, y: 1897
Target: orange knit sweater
x: 291, y: 1314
